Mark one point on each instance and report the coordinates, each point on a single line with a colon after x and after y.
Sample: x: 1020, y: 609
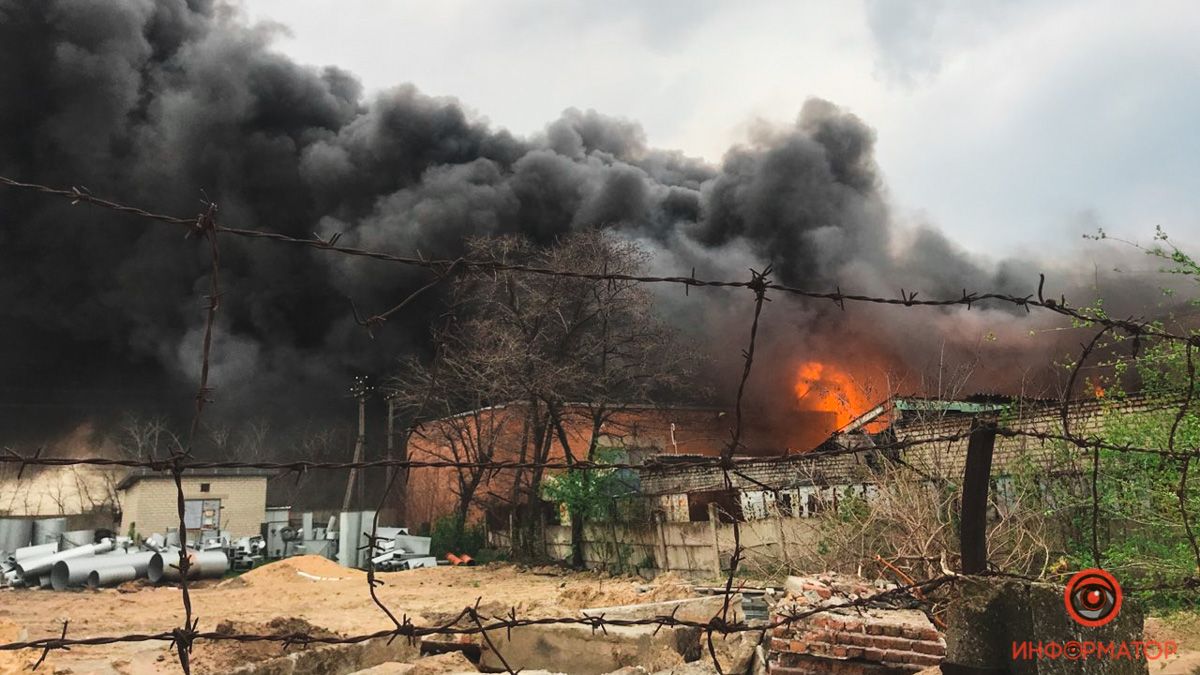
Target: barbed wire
x: 37, y: 458
x: 471, y: 621
x: 1131, y: 326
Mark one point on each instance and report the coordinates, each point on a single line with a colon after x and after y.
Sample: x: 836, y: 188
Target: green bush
x: 451, y: 535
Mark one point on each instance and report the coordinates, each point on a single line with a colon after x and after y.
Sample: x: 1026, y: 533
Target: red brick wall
x: 432, y: 492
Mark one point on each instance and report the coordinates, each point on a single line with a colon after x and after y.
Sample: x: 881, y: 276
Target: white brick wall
x: 151, y: 503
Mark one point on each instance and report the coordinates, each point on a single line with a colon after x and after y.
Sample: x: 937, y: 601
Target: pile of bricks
x: 849, y: 640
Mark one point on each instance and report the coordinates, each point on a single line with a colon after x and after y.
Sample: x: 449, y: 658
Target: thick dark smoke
x: 163, y: 103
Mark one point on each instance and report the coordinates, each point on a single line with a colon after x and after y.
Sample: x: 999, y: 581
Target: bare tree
x: 562, y: 351
x: 453, y: 406
x: 146, y: 438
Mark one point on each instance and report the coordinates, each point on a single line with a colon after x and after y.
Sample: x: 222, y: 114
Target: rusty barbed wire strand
x: 38, y: 458
x: 759, y: 282
x: 1065, y: 417
x: 206, y: 226
x: 1131, y: 326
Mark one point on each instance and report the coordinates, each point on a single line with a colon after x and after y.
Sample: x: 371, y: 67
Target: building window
x: 206, y: 487
x: 785, y: 504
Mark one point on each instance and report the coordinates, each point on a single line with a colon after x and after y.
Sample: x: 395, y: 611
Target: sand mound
x: 303, y: 568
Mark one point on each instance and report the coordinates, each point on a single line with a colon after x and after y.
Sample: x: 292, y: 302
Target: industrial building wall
x: 432, y: 492
x: 151, y: 503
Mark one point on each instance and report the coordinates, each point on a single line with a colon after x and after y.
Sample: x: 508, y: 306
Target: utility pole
x: 390, y: 473
x: 361, y: 390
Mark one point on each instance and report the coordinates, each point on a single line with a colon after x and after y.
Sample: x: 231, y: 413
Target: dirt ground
x: 306, y: 590
x: 315, y: 595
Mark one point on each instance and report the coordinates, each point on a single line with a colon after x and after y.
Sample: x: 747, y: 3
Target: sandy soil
x: 1184, y: 629
x: 309, y: 589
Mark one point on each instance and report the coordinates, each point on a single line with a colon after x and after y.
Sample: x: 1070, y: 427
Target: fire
x: 827, y: 388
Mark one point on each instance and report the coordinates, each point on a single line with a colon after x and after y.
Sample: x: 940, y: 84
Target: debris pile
x: 848, y: 639
x: 395, y: 549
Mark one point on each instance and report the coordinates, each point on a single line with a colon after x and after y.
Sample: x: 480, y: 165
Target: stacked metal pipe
x: 105, y: 563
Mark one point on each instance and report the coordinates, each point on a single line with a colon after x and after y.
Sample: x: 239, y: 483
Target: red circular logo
x: 1093, y: 597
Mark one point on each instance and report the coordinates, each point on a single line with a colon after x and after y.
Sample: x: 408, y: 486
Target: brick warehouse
x: 432, y: 494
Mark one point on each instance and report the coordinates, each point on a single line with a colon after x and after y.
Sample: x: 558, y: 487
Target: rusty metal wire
x: 1133, y: 327
x: 470, y: 621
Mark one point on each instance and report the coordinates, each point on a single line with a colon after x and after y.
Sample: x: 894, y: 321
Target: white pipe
x: 36, y: 567
x: 26, y: 552
x: 202, y: 565
x: 67, y: 573
x: 111, y: 576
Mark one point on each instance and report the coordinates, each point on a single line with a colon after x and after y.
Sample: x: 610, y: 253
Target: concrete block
x: 689, y: 609
x: 988, y: 615
x: 578, y: 649
x: 450, y: 663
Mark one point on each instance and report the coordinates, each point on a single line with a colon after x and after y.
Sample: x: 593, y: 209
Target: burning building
x: 827, y: 399
x: 499, y: 433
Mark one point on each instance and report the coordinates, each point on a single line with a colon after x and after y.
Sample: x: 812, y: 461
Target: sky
x: 1010, y: 125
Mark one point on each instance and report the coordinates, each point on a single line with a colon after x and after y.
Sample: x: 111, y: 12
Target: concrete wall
x: 151, y: 503
x: 688, y: 548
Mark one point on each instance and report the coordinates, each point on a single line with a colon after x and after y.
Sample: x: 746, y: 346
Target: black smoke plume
x: 165, y: 103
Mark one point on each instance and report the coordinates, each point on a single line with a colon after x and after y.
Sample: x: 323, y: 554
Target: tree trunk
x: 531, y: 532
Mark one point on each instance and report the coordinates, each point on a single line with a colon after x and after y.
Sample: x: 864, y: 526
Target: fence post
x: 660, y: 520
x: 714, y: 526
x: 977, y: 475
x: 783, y: 554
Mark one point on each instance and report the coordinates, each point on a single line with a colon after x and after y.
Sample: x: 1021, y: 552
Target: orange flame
x: 827, y: 388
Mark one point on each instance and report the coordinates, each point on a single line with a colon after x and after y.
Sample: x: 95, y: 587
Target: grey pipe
x: 38, y: 551
x: 140, y: 560
x: 44, y: 581
x: 111, y: 576
x: 203, y: 565
x: 78, y: 538
x: 49, y: 530
x: 36, y: 567
x: 15, y: 534
x: 67, y: 573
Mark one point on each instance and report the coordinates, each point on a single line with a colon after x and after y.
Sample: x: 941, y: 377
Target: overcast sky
x: 1009, y: 124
